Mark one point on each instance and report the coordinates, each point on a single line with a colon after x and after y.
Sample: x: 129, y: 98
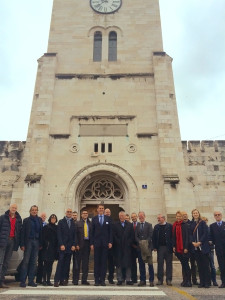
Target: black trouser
x: 100, y: 263
x: 193, y: 268
x: 186, y: 271
x: 134, y: 255
x: 164, y: 254
x: 221, y: 261
x: 63, y: 265
x: 203, y: 267
x: 5, y: 256
x: 82, y: 256
x: 76, y: 269
x: 111, y: 265
x: 47, y: 270
x: 40, y: 267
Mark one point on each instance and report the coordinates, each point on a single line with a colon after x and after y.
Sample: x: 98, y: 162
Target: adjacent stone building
x: 104, y: 123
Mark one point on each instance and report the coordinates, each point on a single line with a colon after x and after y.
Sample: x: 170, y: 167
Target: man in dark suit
x: 134, y: 250
x: 83, y: 230
x: 143, y: 233
x: 123, y: 236
x: 66, y: 234
x: 217, y: 236
x: 74, y: 255
x: 101, y: 241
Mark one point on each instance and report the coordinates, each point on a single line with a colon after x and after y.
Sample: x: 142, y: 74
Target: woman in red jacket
x: 181, y: 246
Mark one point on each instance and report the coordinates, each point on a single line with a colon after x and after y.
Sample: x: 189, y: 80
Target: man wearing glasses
x: 66, y: 235
x: 83, y: 230
x: 217, y: 236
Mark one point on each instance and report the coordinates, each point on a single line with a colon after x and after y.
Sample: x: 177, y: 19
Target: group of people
x: 117, y: 247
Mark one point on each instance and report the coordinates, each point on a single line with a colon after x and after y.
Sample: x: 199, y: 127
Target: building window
x: 109, y: 147
x: 112, y: 46
x: 95, y: 147
x: 103, y: 147
x: 97, y: 53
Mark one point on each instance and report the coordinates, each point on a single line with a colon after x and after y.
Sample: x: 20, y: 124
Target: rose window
x: 103, y: 189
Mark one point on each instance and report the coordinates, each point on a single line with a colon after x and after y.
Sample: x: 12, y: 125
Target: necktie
x: 85, y: 230
x: 219, y: 224
x: 134, y: 226
x: 101, y: 219
x: 68, y: 222
x: 142, y: 226
x: 122, y: 224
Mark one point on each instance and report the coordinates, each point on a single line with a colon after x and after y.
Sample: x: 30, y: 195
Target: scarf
x: 179, y: 239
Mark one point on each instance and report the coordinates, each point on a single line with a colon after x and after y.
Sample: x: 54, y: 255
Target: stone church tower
x: 104, y: 123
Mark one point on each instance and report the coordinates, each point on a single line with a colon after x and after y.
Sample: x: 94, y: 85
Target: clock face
x: 105, y: 6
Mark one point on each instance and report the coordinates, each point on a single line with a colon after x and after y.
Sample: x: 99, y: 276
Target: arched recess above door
x: 119, y: 183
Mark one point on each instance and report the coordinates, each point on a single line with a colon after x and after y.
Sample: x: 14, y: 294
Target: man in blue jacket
x: 101, y: 242
x: 10, y: 228
x: 31, y: 243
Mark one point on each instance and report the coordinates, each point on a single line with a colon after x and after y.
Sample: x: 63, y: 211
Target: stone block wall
x: 11, y: 154
x: 204, y: 161
x: 205, y: 164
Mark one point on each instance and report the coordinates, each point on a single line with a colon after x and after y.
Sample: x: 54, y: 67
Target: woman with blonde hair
x: 200, y: 247
x: 181, y: 243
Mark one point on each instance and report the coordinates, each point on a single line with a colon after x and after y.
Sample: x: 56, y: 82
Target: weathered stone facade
x: 204, y: 161
x: 11, y: 154
x: 109, y: 130
x: 205, y: 164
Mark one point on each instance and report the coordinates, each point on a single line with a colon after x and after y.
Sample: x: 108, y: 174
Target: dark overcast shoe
x: 22, y: 284
x: 33, y: 284
x: 142, y: 283
x: 151, y: 283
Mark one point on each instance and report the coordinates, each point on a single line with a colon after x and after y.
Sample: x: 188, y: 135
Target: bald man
x: 10, y: 227
x: 217, y: 236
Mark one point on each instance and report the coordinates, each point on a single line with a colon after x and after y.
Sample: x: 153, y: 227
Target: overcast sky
x: 193, y: 35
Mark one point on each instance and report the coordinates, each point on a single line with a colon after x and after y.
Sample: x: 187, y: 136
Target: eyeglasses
x: 217, y: 215
x: 69, y: 212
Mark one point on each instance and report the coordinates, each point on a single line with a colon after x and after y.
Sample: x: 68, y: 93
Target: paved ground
x: 110, y: 292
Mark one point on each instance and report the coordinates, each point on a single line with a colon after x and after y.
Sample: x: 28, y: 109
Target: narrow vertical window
x: 103, y: 148
x: 97, y: 53
x: 109, y: 147
x: 112, y: 46
x: 95, y: 147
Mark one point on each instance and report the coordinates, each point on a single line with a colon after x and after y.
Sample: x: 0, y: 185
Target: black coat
x: 5, y: 228
x: 185, y: 236
x: 101, y: 234
x: 123, y: 238
x: 50, y: 242
x: 168, y: 232
x: 80, y: 232
x: 203, y: 236
x: 25, y: 232
x: 66, y: 236
x: 217, y: 236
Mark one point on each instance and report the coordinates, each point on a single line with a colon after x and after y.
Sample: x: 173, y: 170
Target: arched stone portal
x: 102, y: 182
